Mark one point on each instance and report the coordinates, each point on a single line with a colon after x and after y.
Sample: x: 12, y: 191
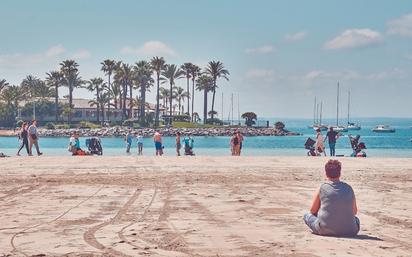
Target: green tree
x: 54, y: 79
x: 280, y: 125
x: 186, y: 69
x: 102, y: 99
x: 144, y: 80
x: 3, y: 84
x: 216, y: 69
x: 194, y: 73
x: 108, y: 67
x: 250, y: 118
x: 204, y: 83
x: 12, y: 96
x: 124, y: 74
x: 71, y: 79
x: 158, y: 65
x: 171, y: 73
x: 180, y: 95
x: 96, y: 85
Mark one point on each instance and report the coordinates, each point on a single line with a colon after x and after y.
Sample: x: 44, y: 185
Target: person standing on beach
x: 240, y: 137
x: 139, y: 140
x: 334, y: 209
x: 33, y: 138
x: 178, y: 144
x: 24, y: 139
x: 234, y: 143
x: 319, y: 146
x: 157, y: 138
x: 332, y: 136
x: 128, y: 139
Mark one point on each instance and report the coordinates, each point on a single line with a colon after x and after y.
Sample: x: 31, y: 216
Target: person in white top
x: 319, y: 146
x: 139, y: 140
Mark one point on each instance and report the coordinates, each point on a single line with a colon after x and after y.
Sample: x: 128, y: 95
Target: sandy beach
x: 200, y: 206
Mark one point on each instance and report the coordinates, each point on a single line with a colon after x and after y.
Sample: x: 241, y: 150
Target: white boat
x: 317, y: 117
x: 340, y: 129
x: 351, y: 125
x: 383, y: 129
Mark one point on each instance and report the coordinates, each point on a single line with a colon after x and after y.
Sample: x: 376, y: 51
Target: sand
x: 194, y: 206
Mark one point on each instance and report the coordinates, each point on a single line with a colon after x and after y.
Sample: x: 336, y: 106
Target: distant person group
x: 28, y: 136
x: 332, y: 136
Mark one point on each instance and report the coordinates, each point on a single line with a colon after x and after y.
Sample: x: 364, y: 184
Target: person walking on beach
x: 157, y: 138
x: 139, y: 140
x: 33, y: 138
x: 178, y: 144
x: 319, y: 146
x: 332, y: 136
x: 24, y: 139
x: 234, y: 143
x: 240, y: 137
x: 128, y: 139
x: 334, y: 206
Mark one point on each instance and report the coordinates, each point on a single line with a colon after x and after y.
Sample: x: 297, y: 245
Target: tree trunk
x: 98, y: 104
x: 56, y: 102
x: 69, y: 118
x: 193, y: 96
x: 102, y: 114
x: 143, y: 103
x: 130, y: 101
x: 108, y: 106
x: 204, y: 106
x: 124, y: 115
x: 157, y: 101
x: 171, y: 103
x: 213, y: 98
x: 188, y: 95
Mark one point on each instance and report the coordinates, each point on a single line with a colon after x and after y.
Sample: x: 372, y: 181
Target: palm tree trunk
x: 98, y: 104
x: 143, y: 103
x: 124, y: 115
x: 56, y: 102
x: 102, y: 114
x: 69, y: 118
x: 108, y: 106
x: 188, y: 95
x: 193, y: 96
x: 180, y: 106
x: 131, y: 101
x: 157, y: 101
x: 205, y: 106
x: 171, y: 103
x: 213, y: 98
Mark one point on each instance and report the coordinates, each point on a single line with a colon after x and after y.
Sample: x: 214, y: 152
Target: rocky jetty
x: 148, y: 132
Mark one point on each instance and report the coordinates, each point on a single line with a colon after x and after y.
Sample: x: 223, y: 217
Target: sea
x: 396, y: 144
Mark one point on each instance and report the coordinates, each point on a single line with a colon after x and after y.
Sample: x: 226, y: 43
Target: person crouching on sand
x: 334, y: 206
x: 157, y: 138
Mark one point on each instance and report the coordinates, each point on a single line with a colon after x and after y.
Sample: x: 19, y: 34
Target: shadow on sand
x: 365, y: 237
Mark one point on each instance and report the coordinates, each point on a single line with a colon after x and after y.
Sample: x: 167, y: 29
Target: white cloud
x: 55, y: 51
x: 296, y: 36
x: 354, y: 38
x: 266, y: 49
x: 316, y: 75
x: 81, y: 54
x: 322, y: 74
x: 150, y: 48
x: 394, y: 73
x: 25, y: 60
x: 401, y: 26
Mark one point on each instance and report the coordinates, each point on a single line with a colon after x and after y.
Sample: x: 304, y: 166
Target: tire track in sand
x: 90, y: 235
x: 20, y: 190
x: 13, y: 238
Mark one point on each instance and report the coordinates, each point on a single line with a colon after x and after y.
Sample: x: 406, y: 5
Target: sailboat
x: 351, y: 125
x: 317, y: 117
x: 338, y: 128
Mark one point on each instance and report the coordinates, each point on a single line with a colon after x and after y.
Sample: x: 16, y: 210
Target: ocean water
x: 396, y: 144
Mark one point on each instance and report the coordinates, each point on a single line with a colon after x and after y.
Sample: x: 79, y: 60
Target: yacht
x: 383, y: 129
x: 317, y: 117
x: 340, y: 129
x: 351, y: 125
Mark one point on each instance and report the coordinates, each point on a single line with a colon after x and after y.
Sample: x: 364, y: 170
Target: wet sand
x: 194, y: 206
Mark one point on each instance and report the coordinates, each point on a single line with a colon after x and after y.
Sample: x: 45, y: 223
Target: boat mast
x: 348, y: 105
x: 320, y: 115
x: 231, y: 122
x: 222, y: 108
x: 314, y: 112
x: 337, y: 107
x: 238, y: 109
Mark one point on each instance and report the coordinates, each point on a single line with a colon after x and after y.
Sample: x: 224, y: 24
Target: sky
x: 280, y: 54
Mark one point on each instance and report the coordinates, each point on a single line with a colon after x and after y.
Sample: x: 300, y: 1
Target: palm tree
x: 171, y: 73
x: 55, y: 79
x: 29, y: 86
x: 204, y: 83
x: 164, y: 95
x: 11, y: 95
x: 96, y: 85
x: 3, y: 84
x: 144, y: 81
x: 158, y: 65
x: 187, y: 72
x: 194, y: 73
x: 124, y: 74
x: 180, y: 95
x: 102, y: 98
x: 69, y: 69
x: 43, y: 91
x: 215, y: 70
x: 108, y: 67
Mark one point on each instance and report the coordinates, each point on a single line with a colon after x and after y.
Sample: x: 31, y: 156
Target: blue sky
x: 281, y: 54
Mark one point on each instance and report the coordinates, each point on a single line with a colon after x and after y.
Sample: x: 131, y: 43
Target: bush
x: 128, y: 123
x: 19, y: 123
x: 50, y: 125
x: 62, y: 126
x: 88, y: 125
